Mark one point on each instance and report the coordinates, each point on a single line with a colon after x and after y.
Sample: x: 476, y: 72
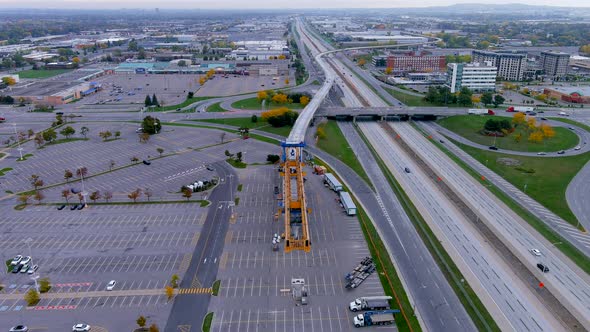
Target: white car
x: 33, y: 269
x: 541, y: 153
x: 577, y: 148
x: 26, y: 260
x: 81, y: 328
x: 111, y: 285
x: 535, y: 252
x: 16, y: 260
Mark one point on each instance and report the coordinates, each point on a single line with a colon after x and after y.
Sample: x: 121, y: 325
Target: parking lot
x: 229, y: 85
x: 255, y: 293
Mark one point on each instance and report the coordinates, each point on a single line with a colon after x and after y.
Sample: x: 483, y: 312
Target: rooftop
x: 581, y: 90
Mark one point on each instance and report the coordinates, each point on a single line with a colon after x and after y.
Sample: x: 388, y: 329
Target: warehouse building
x: 574, y: 94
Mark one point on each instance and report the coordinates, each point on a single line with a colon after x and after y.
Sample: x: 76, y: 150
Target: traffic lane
x: 435, y: 301
x: 482, y: 264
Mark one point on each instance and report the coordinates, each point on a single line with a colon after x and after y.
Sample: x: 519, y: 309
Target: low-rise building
x: 474, y: 76
x: 580, y: 62
x: 573, y: 94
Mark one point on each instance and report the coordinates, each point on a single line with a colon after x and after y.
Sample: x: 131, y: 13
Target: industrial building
x: 474, y: 76
x: 555, y: 64
x: 574, y: 94
x: 259, y: 68
x: 511, y: 65
x: 412, y: 62
x: 580, y: 62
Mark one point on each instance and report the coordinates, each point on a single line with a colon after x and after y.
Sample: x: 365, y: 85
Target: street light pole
x: 84, y: 193
x: 20, y: 150
x: 34, y: 277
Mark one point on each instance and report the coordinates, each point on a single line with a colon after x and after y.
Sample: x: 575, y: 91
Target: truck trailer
x: 347, y: 203
x: 368, y: 318
x: 523, y: 109
x: 480, y: 111
x: 333, y: 183
x: 370, y: 303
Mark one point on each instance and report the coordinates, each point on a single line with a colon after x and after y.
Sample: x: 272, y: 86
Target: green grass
x: 408, y: 99
x: 240, y: 187
x: 547, y: 185
x: 5, y: 170
x: 181, y: 105
x: 25, y: 157
x: 335, y: 144
x: 235, y: 163
x: 8, y: 266
x: 254, y: 104
x: 468, y: 126
x: 247, y: 122
x: 563, y: 245
x: 66, y: 140
x: 216, y: 286
x: 207, y: 322
x: 41, y: 73
x: 572, y: 122
x: 237, y: 201
x: 216, y: 108
x: 471, y: 302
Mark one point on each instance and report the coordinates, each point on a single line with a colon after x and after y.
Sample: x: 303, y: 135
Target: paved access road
x: 505, y: 298
x: 567, y: 283
x: 190, y: 310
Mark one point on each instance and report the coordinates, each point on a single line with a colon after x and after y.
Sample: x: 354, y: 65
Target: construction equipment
x: 360, y: 273
x: 299, y: 291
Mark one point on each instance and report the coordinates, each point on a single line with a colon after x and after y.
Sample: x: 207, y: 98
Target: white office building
x: 475, y: 76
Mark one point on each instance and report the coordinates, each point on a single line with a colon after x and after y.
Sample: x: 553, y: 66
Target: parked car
x: 493, y: 148
x: 75, y: 191
x: 535, y: 252
x: 26, y: 260
x: 543, y: 267
x: 17, y: 268
x: 210, y: 168
x: 139, y: 130
x: 147, y: 162
x: 25, y: 268
x: 80, y: 206
x: 61, y: 207
x: 81, y: 328
x: 73, y: 207
x: 33, y: 269
x: 19, y: 328
x: 407, y: 170
x: 544, y: 119
x: 111, y: 285
x: 16, y: 260
x: 276, y: 190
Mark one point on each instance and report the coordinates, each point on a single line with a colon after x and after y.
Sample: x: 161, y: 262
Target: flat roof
x: 581, y: 90
x: 347, y: 200
x: 332, y: 179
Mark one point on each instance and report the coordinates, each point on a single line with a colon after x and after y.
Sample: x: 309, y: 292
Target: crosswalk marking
x: 195, y: 291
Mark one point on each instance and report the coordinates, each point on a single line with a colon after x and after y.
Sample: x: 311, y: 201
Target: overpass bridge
x: 382, y: 113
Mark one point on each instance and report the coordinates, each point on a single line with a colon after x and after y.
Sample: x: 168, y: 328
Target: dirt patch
x: 508, y: 161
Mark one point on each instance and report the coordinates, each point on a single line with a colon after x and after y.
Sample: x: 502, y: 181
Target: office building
x: 555, y: 64
x: 511, y: 65
x: 474, y: 76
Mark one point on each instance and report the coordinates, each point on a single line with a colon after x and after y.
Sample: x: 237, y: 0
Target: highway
x: 572, y: 286
x: 512, y: 307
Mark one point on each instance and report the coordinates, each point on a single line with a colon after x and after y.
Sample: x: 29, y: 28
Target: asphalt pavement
x: 190, y: 310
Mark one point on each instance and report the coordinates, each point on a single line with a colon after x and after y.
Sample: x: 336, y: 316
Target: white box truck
x: 347, y: 203
x: 333, y: 183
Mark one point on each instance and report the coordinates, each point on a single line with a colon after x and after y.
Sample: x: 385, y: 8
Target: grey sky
x: 234, y: 4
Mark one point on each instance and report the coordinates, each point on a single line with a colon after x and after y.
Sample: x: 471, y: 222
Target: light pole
x: 525, y: 185
x: 34, y: 277
x: 20, y: 150
x: 84, y: 193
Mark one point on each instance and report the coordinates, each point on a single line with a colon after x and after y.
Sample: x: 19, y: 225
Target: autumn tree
x: 304, y: 100
x: 32, y: 297
x: 39, y: 196
x: 105, y: 135
x: 519, y: 118
x: 134, y: 195
x: 279, y: 98
x: 94, y: 196
x: 362, y: 62
x: 30, y: 133
x: 81, y: 172
x: 141, y: 321
x: 66, y: 193
x: 107, y: 195
x: 261, y: 95
x: 202, y: 80
x: 154, y: 328
x: 531, y: 123
x: 286, y: 81
x: 547, y: 130
x: 169, y: 292
x: 8, y: 80
x: 187, y: 193
x: 536, y: 136
x: 24, y: 198
x: 68, y: 175
x: 148, y: 193
x: 388, y: 70
x: 39, y: 139
x: 144, y: 137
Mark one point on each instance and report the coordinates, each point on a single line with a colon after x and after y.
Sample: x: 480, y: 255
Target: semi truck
x: 370, y: 303
x: 523, y: 109
x: 333, y: 183
x: 368, y: 318
x: 347, y: 203
x: 480, y: 111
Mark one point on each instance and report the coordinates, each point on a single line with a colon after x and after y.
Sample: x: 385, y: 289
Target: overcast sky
x: 234, y: 4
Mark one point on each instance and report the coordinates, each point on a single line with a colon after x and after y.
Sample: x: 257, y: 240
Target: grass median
x: 260, y: 125
x: 255, y: 104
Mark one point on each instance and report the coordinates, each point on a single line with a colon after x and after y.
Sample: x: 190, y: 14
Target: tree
x: 304, y: 100
x: 67, y: 131
x: 134, y: 195
x: 111, y: 165
x: 518, y: 137
x: 81, y: 172
x: 151, y: 125
x: 518, y: 118
x: 44, y: 285
x: 68, y: 175
x: 187, y: 193
x: 24, y: 198
x: 531, y: 123
x: 498, y: 100
x: 547, y: 130
x: 169, y: 292
x: 134, y: 159
x: 154, y: 327
x: 107, y: 195
x: 144, y: 137
x: 286, y: 81
x: 160, y: 151
x: 536, y: 136
x: 239, y: 156
x: 388, y: 71
x: 272, y: 158
x: 32, y: 297
x: 202, y: 80
x: 362, y: 62
x: 148, y: 193
x: 261, y: 95
x: 464, y: 97
x: 475, y: 99
x: 8, y: 80
x: 49, y: 135
x: 174, y: 281
x: 254, y: 118
x: 279, y: 98
x: 148, y: 101
x: 38, y: 197
x: 94, y: 196
x: 190, y: 95
x: 141, y: 321
x: 486, y: 98
x: 117, y: 134
x: 155, y: 100
x: 30, y: 132
x: 222, y: 136
x: 39, y: 139
x: 228, y: 154
x: 38, y: 183
x: 66, y: 194
x: 105, y: 135
x: 80, y: 197
x: 84, y: 131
